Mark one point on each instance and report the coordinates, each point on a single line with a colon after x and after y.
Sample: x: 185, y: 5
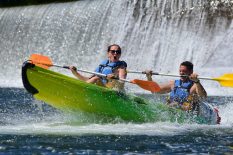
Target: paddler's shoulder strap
x: 119, y: 64
x: 177, y: 83
x: 101, y: 66
x: 104, y: 63
x: 186, y: 85
x: 122, y: 64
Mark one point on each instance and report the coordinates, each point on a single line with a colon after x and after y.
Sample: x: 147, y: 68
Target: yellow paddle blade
x: 147, y: 85
x: 225, y: 80
x: 41, y: 61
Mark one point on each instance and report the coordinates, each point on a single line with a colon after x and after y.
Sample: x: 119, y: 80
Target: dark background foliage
x: 12, y: 3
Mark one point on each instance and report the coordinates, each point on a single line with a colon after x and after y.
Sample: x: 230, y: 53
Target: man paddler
x: 184, y: 92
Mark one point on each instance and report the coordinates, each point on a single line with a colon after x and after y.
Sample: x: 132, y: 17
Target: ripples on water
x: 29, y: 126
x: 116, y: 144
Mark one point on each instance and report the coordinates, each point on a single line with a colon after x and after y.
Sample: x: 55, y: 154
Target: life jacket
x: 180, y: 92
x: 107, y: 67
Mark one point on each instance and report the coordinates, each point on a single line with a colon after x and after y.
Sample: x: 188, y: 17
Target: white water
x: 55, y: 123
x: 155, y: 35
x: 152, y: 129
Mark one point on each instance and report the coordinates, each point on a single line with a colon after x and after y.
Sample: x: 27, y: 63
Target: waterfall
x: 153, y: 34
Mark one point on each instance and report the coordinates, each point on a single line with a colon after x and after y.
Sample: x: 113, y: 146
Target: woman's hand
x: 111, y: 76
x: 73, y: 69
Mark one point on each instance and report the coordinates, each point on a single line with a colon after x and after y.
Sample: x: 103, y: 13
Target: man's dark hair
x: 188, y: 64
x: 109, y: 47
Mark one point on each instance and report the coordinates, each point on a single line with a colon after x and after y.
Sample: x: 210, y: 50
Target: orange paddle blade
x: 147, y: 85
x: 41, y: 61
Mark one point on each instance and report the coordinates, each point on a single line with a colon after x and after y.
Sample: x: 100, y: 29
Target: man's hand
x: 148, y: 74
x: 194, y: 77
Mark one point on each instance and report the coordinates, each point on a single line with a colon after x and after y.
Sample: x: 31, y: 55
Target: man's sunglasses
x: 115, y: 51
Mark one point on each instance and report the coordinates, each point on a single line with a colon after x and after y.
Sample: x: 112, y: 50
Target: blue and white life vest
x: 181, y: 91
x: 106, y: 67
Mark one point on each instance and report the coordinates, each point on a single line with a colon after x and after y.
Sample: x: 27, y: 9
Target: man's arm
x: 197, y: 88
x: 164, y: 88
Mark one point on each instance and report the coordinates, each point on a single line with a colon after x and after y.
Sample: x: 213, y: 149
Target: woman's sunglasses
x: 115, y: 51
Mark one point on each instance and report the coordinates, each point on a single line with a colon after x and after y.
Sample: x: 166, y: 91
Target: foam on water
x: 225, y: 112
x: 21, y: 114
x: 152, y: 129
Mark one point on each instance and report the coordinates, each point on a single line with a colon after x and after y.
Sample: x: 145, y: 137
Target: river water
x: 28, y: 126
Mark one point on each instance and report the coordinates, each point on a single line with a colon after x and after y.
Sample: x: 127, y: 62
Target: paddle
x: 46, y: 62
x: 225, y: 80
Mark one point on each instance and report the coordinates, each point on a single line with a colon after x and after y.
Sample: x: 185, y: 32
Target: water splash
x: 155, y: 35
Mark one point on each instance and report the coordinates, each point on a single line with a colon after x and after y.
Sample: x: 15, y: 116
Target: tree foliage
x: 11, y: 3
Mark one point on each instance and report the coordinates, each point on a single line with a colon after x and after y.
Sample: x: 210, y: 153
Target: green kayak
x: 74, y: 96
